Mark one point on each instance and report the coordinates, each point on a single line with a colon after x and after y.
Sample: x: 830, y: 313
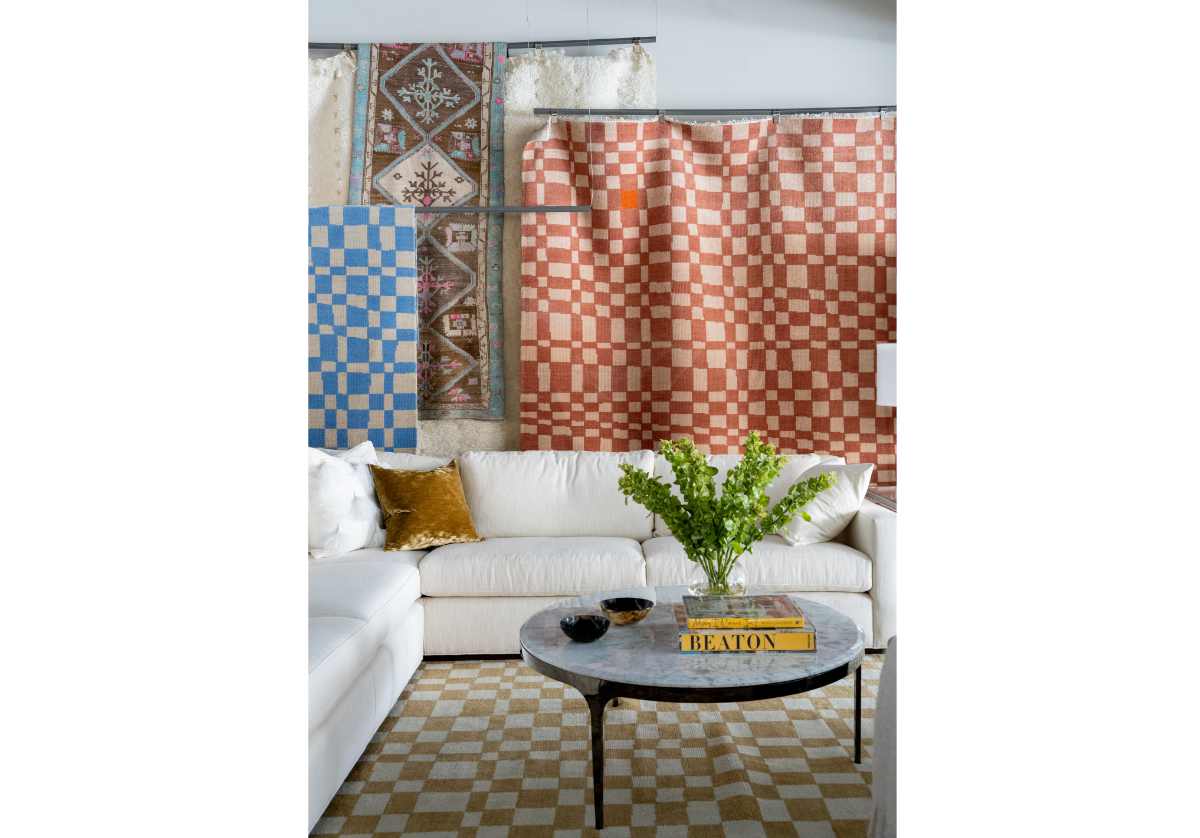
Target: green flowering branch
x: 716, y: 530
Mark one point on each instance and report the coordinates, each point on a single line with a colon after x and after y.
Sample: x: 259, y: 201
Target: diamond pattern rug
x: 492, y: 748
x: 428, y: 131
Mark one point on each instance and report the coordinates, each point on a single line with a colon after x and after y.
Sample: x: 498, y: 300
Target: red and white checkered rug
x: 730, y: 277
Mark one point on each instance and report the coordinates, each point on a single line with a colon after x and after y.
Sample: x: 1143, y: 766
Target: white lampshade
x: 885, y: 374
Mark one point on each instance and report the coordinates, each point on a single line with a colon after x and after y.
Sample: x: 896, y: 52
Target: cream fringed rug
x: 492, y: 748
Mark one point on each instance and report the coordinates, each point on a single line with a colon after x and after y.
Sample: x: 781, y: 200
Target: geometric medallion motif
x: 730, y: 278
x: 428, y: 127
x: 426, y: 177
x: 362, y: 327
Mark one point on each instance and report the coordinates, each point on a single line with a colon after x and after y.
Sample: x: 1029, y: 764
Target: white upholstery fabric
x: 336, y: 743
x: 354, y: 604
x: 532, y: 567
x: 359, y: 584
x: 873, y: 531
x: 855, y: 606
x: 479, y: 625
x: 833, y: 508
x: 410, y: 462
x: 883, y: 755
x: 365, y: 639
x: 796, y: 465
x: 342, y: 512
x: 552, y: 493
x: 815, y: 567
x: 330, y: 109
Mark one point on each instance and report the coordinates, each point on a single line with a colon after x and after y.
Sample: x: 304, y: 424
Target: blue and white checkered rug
x: 362, y: 327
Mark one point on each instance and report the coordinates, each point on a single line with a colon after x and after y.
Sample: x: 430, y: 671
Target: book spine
x: 748, y: 641
x: 744, y: 622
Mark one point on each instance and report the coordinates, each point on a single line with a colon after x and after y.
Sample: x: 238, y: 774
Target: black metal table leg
x: 596, y: 704
x: 858, y: 715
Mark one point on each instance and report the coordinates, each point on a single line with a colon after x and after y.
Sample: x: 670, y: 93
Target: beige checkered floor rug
x: 487, y: 748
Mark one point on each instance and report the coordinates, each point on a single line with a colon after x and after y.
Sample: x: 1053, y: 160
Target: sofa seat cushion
x: 828, y: 566
x: 359, y: 584
x: 354, y: 603
x: 542, y: 566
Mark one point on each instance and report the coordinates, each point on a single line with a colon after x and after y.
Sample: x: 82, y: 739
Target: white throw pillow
x: 833, y: 508
x: 342, y: 512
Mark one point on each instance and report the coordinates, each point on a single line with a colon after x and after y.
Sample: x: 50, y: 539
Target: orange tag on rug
x: 629, y: 199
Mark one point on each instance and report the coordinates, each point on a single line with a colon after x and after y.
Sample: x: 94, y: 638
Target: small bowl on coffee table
x: 626, y: 610
x: 584, y: 628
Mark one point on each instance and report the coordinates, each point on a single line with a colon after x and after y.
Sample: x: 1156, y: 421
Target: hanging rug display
x: 428, y: 131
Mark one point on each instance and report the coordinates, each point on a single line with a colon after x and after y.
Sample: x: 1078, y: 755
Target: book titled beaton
x: 742, y: 612
x: 702, y: 641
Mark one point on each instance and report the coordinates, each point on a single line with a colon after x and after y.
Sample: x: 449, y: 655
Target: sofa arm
x: 873, y: 531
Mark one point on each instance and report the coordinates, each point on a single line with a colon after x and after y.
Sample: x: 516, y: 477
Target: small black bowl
x: 626, y: 610
x: 584, y: 628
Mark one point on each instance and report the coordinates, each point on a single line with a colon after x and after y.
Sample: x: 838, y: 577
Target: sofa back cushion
x: 795, y: 466
x: 410, y: 462
x: 552, y: 493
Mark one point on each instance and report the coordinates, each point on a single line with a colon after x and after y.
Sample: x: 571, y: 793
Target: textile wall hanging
x: 428, y: 131
x: 624, y: 78
x: 731, y: 277
x: 362, y: 327
x: 330, y: 106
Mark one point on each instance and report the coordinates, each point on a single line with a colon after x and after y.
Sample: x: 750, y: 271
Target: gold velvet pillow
x: 423, y: 508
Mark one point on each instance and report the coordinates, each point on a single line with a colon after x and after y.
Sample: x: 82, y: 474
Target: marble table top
x: 646, y: 654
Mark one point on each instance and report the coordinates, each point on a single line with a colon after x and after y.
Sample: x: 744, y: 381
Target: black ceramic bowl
x: 584, y: 628
x: 626, y: 610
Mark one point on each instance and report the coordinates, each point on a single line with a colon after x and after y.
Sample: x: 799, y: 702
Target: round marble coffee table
x: 643, y: 661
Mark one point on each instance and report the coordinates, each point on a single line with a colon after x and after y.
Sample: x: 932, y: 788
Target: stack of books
x: 765, y: 623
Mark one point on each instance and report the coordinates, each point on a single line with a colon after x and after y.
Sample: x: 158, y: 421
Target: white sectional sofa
x: 366, y: 631
x: 554, y: 527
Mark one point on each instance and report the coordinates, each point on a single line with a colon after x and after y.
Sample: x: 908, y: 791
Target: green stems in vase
x: 716, y: 530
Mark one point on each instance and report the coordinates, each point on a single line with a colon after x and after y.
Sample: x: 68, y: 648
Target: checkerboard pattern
x: 492, y: 748
x: 362, y: 327
x: 730, y: 277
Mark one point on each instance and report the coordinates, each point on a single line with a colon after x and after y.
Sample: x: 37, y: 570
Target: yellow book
x: 748, y: 641
x: 745, y: 622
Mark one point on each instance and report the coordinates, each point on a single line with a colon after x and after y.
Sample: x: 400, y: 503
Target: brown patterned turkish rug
x: 429, y: 128
x: 492, y: 748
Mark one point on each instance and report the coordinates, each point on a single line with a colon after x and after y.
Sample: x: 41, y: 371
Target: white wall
x: 710, y: 53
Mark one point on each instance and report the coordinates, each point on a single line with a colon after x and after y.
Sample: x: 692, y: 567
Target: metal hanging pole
x: 706, y: 111
x: 520, y: 45
x: 595, y: 42
x: 500, y: 210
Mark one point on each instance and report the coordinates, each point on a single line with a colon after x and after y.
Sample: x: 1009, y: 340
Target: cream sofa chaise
x: 554, y: 527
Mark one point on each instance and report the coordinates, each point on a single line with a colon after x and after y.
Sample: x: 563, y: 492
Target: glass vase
x: 700, y: 584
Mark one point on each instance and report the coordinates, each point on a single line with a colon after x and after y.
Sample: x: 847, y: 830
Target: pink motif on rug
x: 730, y: 278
